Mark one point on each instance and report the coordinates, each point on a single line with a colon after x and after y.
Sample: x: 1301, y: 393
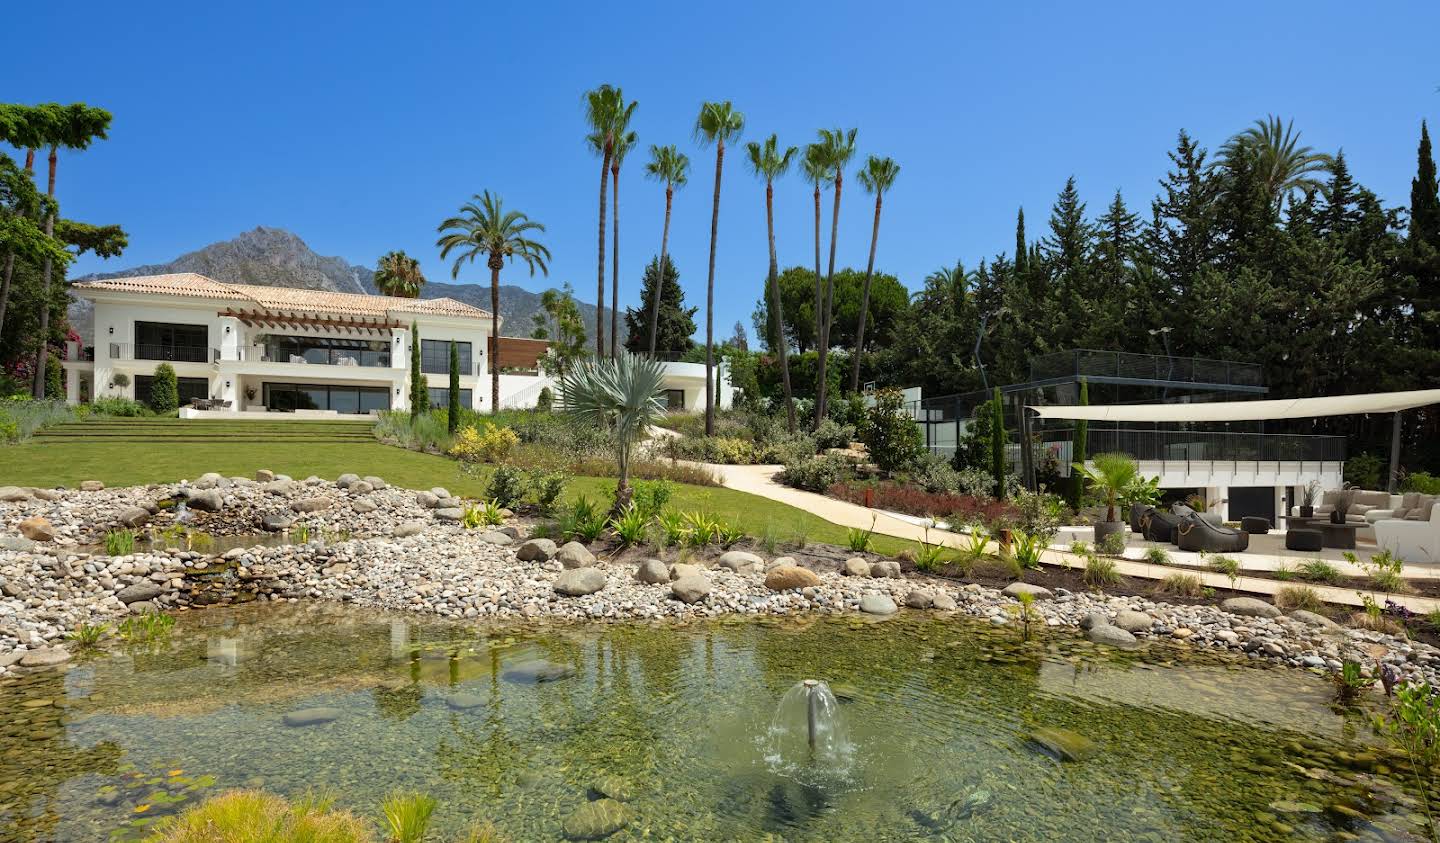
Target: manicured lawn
x: 125, y: 452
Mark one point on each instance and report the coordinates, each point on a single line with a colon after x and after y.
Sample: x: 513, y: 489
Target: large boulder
x: 577, y: 582
x: 596, y: 820
x: 376, y: 483
x: 741, y: 562
x: 91, y: 486
x: 575, y: 555
x: 786, y: 577
x: 536, y: 550
x: 1111, y: 636
x: 315, y: 504
x: 364, y: 506
x: 408, y: 528
x: 440, y: 492
x: 684, y: 569
x: 943, y: 602
x: 45, y: 657
x: 1251, y: 607
x: 855, y: 567
x: 13, y: 494
x: 37, y: 529
x: 652, y: 571
x: 264, y: 475
x: 276, y: 522
x: 205, y: 500
x: 1313, y: 619
x: 140, y: 591
x: 1015, y: 589
x: 1133, y: 621
x: 878, y: 604
x: 885, y: 568
x: 347, y: 480
x: 691, y: 588
x: 449, y: 513
x: 133, y: 516
x: 920, y: 598
x: 427, y: 499
x: 359, y: 487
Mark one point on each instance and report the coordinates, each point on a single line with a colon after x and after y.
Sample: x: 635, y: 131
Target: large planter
x: 1106, y: 528
x: 1307, y: 512
x: 1337, y: 516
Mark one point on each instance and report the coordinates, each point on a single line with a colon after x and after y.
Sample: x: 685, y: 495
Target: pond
x: 522, y: 725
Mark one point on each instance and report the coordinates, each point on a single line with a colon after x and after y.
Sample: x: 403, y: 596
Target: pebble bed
x: 406, y: 550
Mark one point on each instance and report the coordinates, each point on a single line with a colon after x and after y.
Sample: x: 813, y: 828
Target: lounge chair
x: 1158, y: 525
x: 1195, y: 534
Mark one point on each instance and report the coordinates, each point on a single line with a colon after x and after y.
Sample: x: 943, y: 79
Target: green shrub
x: 783, y: 448
x: 483, y: 514
x: 702, y: 529
x: 1158, y: 556
x: 164, y: 391
x: 934, y: 474
x: 1113, y: 544
x: 1423, y: 482
x: 1028, y: 549
x: 833, y: 434
x: 1318, y: 570
x: 816, y: 473
x: 121, y: 407
x: 672, y: 528
x: 545, y: 400
x: 1101, y: 571
x: 547, y: 487
x: 629, y: 526
x: 507, y: 486
x: 890, y: 434
x: 583, y: 520
x: 54, y: 378
x: 651, y: 496
x: 21, y: 417
x: 486, y: 444
x: 1363, y: 470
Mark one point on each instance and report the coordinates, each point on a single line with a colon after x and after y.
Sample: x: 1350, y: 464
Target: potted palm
x: 1111, y: 475
x: 1308, y: 495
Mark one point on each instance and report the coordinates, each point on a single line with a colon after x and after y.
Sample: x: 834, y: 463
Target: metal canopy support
x: 1394, y: 481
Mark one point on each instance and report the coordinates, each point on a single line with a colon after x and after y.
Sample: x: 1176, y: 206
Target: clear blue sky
x: 360, y: 127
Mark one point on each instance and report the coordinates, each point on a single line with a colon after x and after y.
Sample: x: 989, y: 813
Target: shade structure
x: 1233, y: 411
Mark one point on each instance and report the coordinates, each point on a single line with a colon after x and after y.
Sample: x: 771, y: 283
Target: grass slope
x: 127, y: 452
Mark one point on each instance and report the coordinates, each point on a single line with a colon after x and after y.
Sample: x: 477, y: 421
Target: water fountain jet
x: 806, y: 739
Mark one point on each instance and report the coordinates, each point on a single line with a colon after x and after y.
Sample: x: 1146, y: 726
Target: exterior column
x: 400, y: 359
x: 1280, y: 510
x: 72, y: 386
x: 1221, y: 493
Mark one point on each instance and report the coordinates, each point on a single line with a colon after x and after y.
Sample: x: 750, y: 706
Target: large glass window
x: 188, y: 388
x: 288, y: 397
x: 166, y: 341
x: 435, y: 357
x: 330, y: 351
x: 440, y: 397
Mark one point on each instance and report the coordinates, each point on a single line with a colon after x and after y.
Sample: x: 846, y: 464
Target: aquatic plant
x: 119, y: 542
x: 1350, y: 681
x: 146, y: 628
x: 927, y: 556
x: 1299, y: 597
x: 629, y: 525
x: 198, y: 541
x: 1182, y: 585
x: 1100, y: 572
x: 251, y: 815
x: 407, y: 816
x: 1318, y: 570
x: 302, y: 532
x: 1025, y: 611
x: 1413, y: 727
x: 88, y: 634
x: 1158, y: 556
x: 482, y: 832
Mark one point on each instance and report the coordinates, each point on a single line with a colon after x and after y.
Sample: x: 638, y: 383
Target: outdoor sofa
x: 1367, y: 507
x: 1411, y: 539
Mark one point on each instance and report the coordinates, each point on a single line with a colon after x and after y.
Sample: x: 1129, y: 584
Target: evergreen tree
x: 419, y: 389
x: 1022, y: 251
x: 164, y: 390
x: 676, y: 323
x: 1118, y: 229
x: 1338, y: 216
x: 452, y: 415
x: 1425, y: 196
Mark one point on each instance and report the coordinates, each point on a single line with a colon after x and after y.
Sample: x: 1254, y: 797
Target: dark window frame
x: 671, y: 404
x: 172, y: 341
x: 269, y: 390
x: 188, y: 389
x: 440, y: 396
x: 435, y: 356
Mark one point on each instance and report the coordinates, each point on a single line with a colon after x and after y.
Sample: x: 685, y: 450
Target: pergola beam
x: 306, y: 321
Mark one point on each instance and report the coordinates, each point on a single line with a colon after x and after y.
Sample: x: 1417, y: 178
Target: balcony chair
x: 1197, y: 534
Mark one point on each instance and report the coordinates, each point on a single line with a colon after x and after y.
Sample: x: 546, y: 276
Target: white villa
x: 253, y: 351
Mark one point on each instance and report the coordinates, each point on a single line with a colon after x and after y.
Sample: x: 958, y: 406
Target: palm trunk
x: 821, y: 391
x: 615, y: 257
x: 710, y: 297
x: 42, y: 351
x: 664, y: 243
x: 600, y: 285
x: 775, y: 304
x: 865, y: 299
x: 819, y: 283
x: 495, y: 264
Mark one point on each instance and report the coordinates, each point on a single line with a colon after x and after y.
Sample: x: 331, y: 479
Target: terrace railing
x: 1125, y: 366
x: 168, y: 353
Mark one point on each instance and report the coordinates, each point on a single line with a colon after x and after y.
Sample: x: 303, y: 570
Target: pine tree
x: 1021, y: 249
x: 677, y: 322
x: 1425, y: 196
x: 419, y: 390
x: 452, y: 415
x: 1338, y: 216
x: 1118, y: 227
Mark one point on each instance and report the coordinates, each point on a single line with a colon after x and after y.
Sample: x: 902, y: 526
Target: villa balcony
x: 1125, y: 368
x: 163, y: 353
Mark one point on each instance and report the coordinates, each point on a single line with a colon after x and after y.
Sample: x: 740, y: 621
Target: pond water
x: 517, y: 725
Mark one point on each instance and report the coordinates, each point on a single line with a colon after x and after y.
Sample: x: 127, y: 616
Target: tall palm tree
x: 484, y: 227
x: 622, y: 395
x: 624, y: 142
x: 877, y: 177
x: 605, y: 108
x: 672, y: 167
x: 769, y: 163
x: 817, y: 172
x: 839, y: 145
x: 73, y: 126
x: 1282, y: 163
x: 717, y: 123
x: 398, y: 274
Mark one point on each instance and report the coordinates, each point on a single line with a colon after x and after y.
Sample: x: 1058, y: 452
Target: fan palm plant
x: 622, y: 394
x: 605, y: 109
x: 769, y: 163
x: 672, y: 167
x: 484, y: 227
x: 839, y: 145
x: 624, y: 142
x: 877, y: 176
x: 398, y: 274
x: 1282, y: 163
x: 717, y: 123
x: 1112, y: 474
x: 817, y: 171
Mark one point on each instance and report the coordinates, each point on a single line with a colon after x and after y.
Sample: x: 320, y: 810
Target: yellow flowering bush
x: 488, y: 444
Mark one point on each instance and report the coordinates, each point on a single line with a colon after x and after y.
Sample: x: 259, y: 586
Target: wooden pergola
x: 305, y: 321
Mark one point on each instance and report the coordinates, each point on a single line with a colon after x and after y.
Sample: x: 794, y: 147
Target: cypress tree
x: 997, y: 444
x: 419, y: 393
x: 1082, y: 445
x: 1425, y: 196
x: 164, y: 390
x: 452, y: 419
x: 1022, y: 253
x: 676, y: 322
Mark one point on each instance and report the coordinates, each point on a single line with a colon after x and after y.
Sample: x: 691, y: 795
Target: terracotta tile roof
x: 281, y: 298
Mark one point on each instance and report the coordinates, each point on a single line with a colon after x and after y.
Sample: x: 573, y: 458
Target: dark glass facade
x: 288, y: 397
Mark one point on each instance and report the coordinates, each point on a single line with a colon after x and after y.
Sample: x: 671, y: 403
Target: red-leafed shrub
x: 914, y: 500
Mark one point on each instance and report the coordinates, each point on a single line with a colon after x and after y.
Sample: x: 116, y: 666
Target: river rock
x: 440, y: 492
x: 1112, y: 636
x: 685, y: 569
x: 280, y: 488
x: 376, y: 483
x: 878, y: 604
x: 1133, y: 621
x: 577, y: 582
x: 497, y: 538
x: 1015, y: 589
x: 536, y: 550
x: 612, y: 787
x: 347, y: 480
x: 741, y: 562
x: 575, y: 555
x: 1093, y: 619
x: 13, y: 494
x: 1249, y: 607
x: 596, y: 820
x: 133, y: 516
x: 139, y: 592
x: 359, y: 487
x: 536, y: 672
x: 312, y: 716
x: 885, y: 568
x: 91, y: 486
x: 45, y: 657
x: 36, y: 529
x: 205, y: 500
x: 408, y: 528
x: 449, y: 513
x: 1063, y: 743
x: 652, y: 571
x: 691, y: 588
x: 464, y: 702
x: 427, y: 499
x: 1313, y: 619
x: 364, y: 506
x: 316, y: 504
x: 943, y: 603
x: 264, y: 475
x: 855, y: 567
x: 787, y: 577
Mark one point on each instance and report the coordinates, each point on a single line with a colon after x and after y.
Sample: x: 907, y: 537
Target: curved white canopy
x: 1228, y: 411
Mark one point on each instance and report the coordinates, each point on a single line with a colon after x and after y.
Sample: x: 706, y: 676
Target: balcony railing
x: 358, y: 357
x: 1167, y: 445
x: 1145, y: 367
x: 167, y: 353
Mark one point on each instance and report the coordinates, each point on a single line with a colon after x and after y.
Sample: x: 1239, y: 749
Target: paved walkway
x: 760, y: 480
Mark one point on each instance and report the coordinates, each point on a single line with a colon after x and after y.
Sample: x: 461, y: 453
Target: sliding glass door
x: 289, y: 397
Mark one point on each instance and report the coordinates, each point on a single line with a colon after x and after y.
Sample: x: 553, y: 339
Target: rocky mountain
x: 274, y: 257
